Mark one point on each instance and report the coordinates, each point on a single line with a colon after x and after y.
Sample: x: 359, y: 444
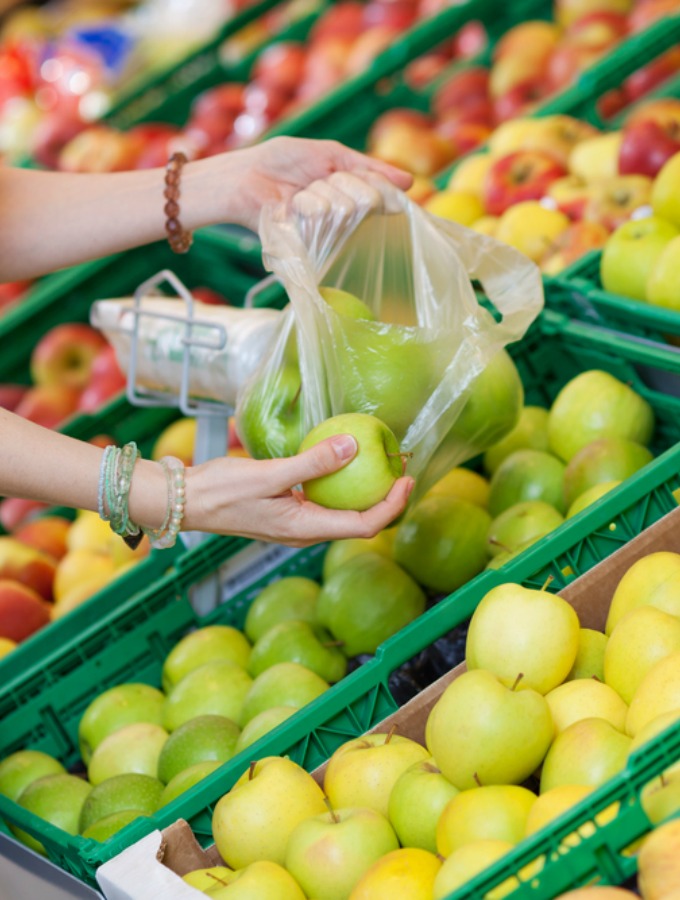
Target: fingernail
x: 345, y: 446
x: 409, y: 487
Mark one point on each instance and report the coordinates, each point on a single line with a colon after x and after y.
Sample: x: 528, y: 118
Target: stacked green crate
x: 41, y: 704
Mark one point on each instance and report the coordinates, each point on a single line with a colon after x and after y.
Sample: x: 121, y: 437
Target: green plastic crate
x: 40, y: 707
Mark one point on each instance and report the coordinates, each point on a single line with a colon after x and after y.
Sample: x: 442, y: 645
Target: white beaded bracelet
x: 166, y: 536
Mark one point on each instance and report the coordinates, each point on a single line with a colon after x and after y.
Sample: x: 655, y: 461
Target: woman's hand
x: 258, y: 498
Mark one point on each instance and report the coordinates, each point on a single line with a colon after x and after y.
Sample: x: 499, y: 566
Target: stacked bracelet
x: 115, y: 478
x: 166, y: 535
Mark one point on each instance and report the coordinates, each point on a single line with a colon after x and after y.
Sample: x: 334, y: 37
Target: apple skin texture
x: 270, y: 415
x: 631, y: 253
x: 22, y: 768
x: 202, y: 646
x: 58, y: 799
x: 369, y: 477
x: 131, y: 791
x: 119, y: 706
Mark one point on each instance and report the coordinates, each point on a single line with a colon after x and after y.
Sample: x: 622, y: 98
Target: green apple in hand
x: 416, y: 802
x: 134, y: 748
x: 369, y: 477
x: 466, y: 862
x: 256, y: 818
x: 202, y: 739
x: 262, y: 724
x: 270, y: 414
x: 441, y: 542
x: 368, y: 600
x: 588, y: 753
x: 604, y: 460
x: 641, y: 638
x: 58, y: 799
x: 530, y: 433
x: 328, y: 854
x: 630, y: 254
x: 527, y: 638
x: 288, y: 598
x: 485, y: 733
x: 363, y: 771
x: 527, y: 475
x: 589, y: 662
x: 283, y: 684
x: 263, y: 880
x: 301, y: 643
x: 495, y: 812
x: 521, y: 525
x: 586, y: 698
x: 23, y: 767
x: 119, y: 706
x: 217, y: 688
x: 662, y: 286
x: 202, y: 646
x: 340, y: 552
x: 130, y: 791
x: 596, y: 405
x: 186, y: 779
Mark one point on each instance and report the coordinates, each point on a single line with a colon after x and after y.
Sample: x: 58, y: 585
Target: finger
x: 324, y: 458
x: 357, y: 189
x: 399, y: 177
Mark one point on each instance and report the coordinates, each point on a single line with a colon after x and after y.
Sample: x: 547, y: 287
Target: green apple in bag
x: 270, y: 414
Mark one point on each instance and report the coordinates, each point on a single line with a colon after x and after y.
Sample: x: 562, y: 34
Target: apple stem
x: 333, y: 644
x: 549, y: 580
x: 502, y: 546
x: 217, y: 879
x: 251, y: 770
x: 476, y: 778
x: 391, y: 734
x: 662, y: 778
x: 407, y: 455
x: 517, y: 681
x: 295, y: 399
x: 334, y: 816
x: 595, y: 678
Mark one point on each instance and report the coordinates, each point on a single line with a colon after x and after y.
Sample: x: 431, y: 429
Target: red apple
x: 399, y: 116
x: 325, y: 66
x: 48, y: 404
x: 520, y: 99
x: 535, y: 38
x: 157, y: 138
x: 99, y: 392
x: 579, y: 239
x: 100, y: 149
x: 646, y: 146
x: 665, y: 111
x: 469, y: 41
x: 344, y: 19
x: 65, y: 354
x: 102, y: 440
x: 15, y: 511
x: 281, y: 66
x: 425, y: 69
x: 466, y: 88
x: 22, y: 610
x: 654, y: 73
x: 225, y: 99
x: 566, y: 12
x: 207, y: 295
x: 461, y: 134
x: 367, y: 46
x: 52, y: 133
x: 570, y: 195
x: 523, y: 175
x: 614, y: 200
x: 11, y: 291
x: 11, y: 395
x: 648, y: 11
x: 47, y: 534
x: 612, y: 102
x: 395, y: 14
x: 418, y: 150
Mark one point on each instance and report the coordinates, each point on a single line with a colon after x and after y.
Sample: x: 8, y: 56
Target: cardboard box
x: 160, y: 858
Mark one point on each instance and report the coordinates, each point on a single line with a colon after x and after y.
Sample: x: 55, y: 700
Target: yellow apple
x: 596, y: 158
x: 657, y: 693
x: 589, y: 662
x: 79, y: 566
x: 466, y: 862
x: 658, y: 869
x: 666, y: 190
x: 531, y: 228
x: 586, y: 698
x: 89, y: 532
x: 463, y: 484
x: 653, y: 580
x: 662, y: 288
x: 487, y: 225
x: 408, y: 872
x: 510, y: 136
x: 177, y: 439
x: 456, y: 206
x: 587, y: 752
x: 469, y: 174
x: 553, y: 803
x: 492, y: 812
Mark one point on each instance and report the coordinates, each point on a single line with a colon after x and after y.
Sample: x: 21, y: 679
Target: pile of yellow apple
x: 545, y: 712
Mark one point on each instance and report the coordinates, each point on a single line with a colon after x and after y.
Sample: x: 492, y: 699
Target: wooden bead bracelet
x: 180, y: 240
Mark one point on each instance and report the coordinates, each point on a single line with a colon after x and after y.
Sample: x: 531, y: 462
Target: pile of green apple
x: 640, y: 259
x: 544, y: 712
x: 222, y: 689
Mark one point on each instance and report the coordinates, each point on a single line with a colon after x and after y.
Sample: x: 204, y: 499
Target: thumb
x: 324, y: 458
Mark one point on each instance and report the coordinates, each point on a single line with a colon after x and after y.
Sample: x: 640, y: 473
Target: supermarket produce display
x: 481, y: 699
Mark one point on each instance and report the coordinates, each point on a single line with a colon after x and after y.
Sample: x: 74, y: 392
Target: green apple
x: 416, y: 802
x: 494, y: 812
x: 217, y: 688
x: 527, y: 638
x: 654, y: 580
x: 340, y: 552
x: 586, y: 698
x: 463, y: 484
x: 208, y: 879
x: 527, y: 475
x: 662, y: 286
x: 407, y: 872
x: 588, y: 752
x: 138, y: 792
x: 261, y: 880
x: 596, y: 405
x: 657, y: 693
x: 270, y: 414
x: 345, y: 304
x: 299, y: 642
x: 466, y: 862
x: 492, y: 409
x: 530, y: 433
x: 108, y: 826
x: 369, y: 477
x: 521, y: 525
x: 363, y: 771
x: 23, y: 767
x: 134, y: 748
x: 630, y: 254
x: 368, y: 600
x: 640, y: 639
x: 660, y: 798
x: 186, y: 779
x: 328, y: 854
x: 653, y: 728
x: 602, y: 461
x: 293, y: 597
x: 256, y: 818
x: 262, y: 724
x: 587, y: 498
x: 665, y: 191
x: 119, y: 706
x: 504, y: 557
x: 441, y: 542
x: 202, y: 739
x: 284, y: 684
x: 202, y: 646
x: 58, y: 799
x: 589, y: 662
x: 484, y: 733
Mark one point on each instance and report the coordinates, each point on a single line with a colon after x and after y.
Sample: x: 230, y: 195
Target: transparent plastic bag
x: 431, y: 365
